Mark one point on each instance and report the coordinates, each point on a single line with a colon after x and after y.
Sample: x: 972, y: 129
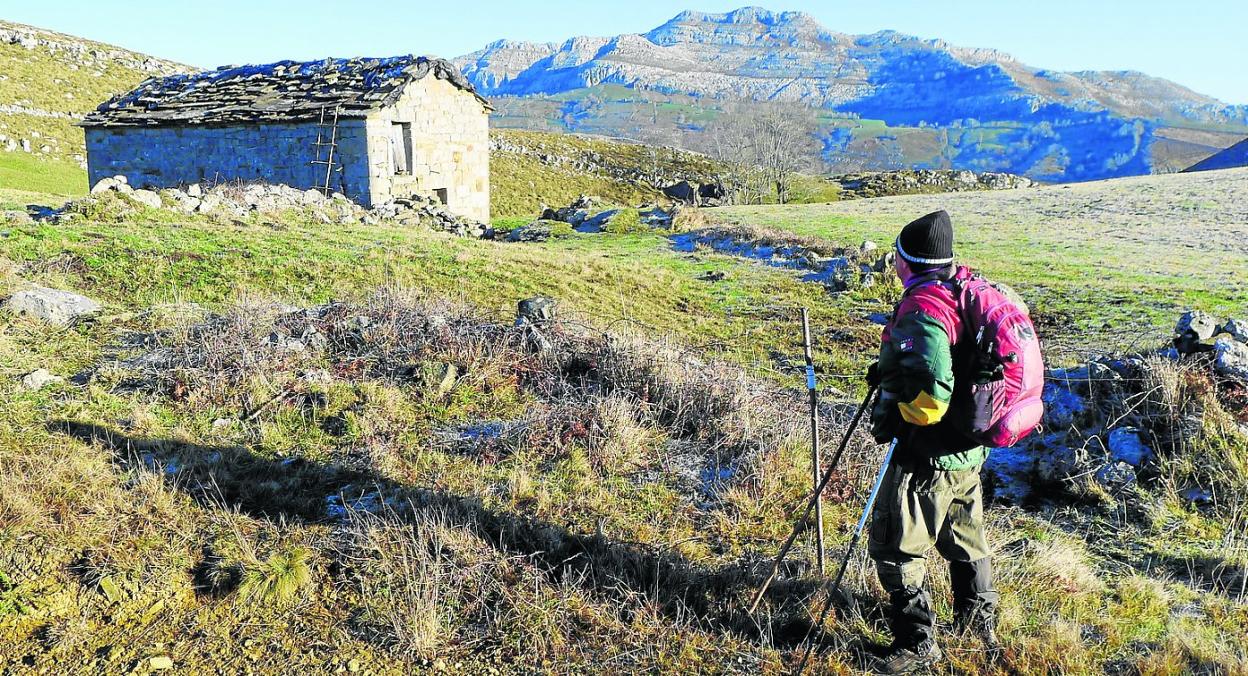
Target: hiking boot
x: 905, y: 659
x: 980, y: 625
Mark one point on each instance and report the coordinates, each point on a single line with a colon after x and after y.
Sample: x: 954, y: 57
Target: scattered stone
x: 712, y: 276
x: 147, y: 198
x: 160, y: 663
x: 867, y: 247
x: 1126, y: 445
x: 538, y: 231
x: 1231, y: 358
x: 1237, y: 329
x: 918, y: 181
x: 232, y: 200
x: 1194, y: 328
x: 39, y: 379
x: 1116, y: 474
x: 54, y: 306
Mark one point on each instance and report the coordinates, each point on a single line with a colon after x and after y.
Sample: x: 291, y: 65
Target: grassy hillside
x: 530, y: 169
x: 420, y: 488
x: 1117, y: 258
x: 51, y: 80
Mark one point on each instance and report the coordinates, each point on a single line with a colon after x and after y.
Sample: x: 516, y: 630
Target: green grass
x: 1086, y: 270
x: 22, y: 172
x: 542, y: 560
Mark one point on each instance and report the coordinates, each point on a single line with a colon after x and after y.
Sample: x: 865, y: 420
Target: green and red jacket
x: 918, y: 348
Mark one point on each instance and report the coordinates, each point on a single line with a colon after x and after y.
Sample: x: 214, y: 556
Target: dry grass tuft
x: 277, y: 580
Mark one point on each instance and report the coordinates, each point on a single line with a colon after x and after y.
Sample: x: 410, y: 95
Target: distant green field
x: 19, y: 171
x: 1106, y: 261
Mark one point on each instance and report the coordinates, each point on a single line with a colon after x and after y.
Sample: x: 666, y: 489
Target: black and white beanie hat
x: 928, y: 240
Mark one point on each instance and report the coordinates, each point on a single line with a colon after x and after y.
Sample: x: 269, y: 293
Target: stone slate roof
x: 285, y: 91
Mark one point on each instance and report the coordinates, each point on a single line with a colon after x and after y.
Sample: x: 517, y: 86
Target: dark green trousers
x: 918, y: 509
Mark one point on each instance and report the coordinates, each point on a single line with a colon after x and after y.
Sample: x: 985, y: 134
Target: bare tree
x: 765, y: 145
x: 781, y: 138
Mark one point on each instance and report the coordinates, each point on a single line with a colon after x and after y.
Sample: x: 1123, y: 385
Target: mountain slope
x: 1235, y: 156
x: 1046, y: 124
x: 50, y: 80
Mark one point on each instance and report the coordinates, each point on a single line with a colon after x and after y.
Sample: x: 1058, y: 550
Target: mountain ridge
x: 752, y: 54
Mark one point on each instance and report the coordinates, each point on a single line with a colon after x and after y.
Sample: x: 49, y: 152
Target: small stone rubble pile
x: 229, y: 200
x: 1108, y: 419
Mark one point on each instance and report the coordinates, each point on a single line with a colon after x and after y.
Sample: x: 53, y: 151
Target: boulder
x: 1237, y: 329
x: 147, y: 198
x: 104, y: 185
x: 1127, y: 445
x: 195, y: 190
x: 537, y: 311
x: 885, y: 263
x: 1194, y: 328
x: 53, y: 306
x: 39, y: 379
x: 1231, y: 358
x: 711, y: 191
x: 683, y: 192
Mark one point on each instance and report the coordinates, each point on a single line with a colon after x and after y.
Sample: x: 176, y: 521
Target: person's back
x: 931, y: 496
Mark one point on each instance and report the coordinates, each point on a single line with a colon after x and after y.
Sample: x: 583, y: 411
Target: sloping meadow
x: 435, y: 484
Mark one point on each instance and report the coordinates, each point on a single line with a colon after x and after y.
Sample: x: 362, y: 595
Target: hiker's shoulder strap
x: 938, y: 300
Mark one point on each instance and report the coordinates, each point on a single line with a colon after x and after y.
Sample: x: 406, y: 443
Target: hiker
x: 931, y: 495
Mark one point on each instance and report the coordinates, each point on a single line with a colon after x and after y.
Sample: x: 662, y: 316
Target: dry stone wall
x: 168, y: 156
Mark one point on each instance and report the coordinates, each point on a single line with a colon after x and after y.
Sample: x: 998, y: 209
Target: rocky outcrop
x: 1108, y: 419
x: 919, y: 181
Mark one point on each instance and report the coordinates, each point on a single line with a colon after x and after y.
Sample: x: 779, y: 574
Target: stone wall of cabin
x: 167, y: 156
x: 450, y: 148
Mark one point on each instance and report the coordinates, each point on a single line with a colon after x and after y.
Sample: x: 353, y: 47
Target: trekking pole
x: 815, y: 472
x: 862, y: 522
x: 810, y: 505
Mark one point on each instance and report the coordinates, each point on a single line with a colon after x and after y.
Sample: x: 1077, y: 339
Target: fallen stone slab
x: 53, y: 306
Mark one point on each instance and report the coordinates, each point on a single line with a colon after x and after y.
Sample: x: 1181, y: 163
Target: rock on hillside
x: 1235, y: 156
x: 1081, y: 125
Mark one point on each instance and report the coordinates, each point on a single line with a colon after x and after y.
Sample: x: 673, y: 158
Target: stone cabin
x: 404, y: 125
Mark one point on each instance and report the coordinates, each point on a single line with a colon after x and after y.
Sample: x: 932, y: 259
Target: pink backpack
x: 997, y: 390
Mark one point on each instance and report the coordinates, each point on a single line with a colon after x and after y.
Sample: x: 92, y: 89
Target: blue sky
x: 1200, y: 44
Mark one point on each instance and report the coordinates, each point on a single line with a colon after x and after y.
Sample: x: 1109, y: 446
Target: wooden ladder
x: 323, y: 131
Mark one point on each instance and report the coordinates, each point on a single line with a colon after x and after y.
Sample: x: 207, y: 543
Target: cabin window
x: 401, y: 147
